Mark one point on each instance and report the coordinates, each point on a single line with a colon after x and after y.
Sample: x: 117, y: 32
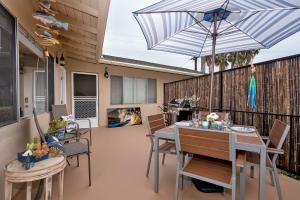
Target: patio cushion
x: 74, y: 148
x: 213, y: 169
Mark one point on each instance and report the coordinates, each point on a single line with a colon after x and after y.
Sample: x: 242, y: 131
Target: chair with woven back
x: 61, y: 110
x: 211, y: 157
x: 156, y: 122
x: 72, y: 147
x: 274, y: 143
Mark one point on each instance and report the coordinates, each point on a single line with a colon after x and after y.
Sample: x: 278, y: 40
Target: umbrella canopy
x: 208, y: 27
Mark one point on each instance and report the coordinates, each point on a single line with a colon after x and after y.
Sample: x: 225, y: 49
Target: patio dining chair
x: 156, y: 122
x: 61, y: 110
x: 72, y: 147
x: 213, y: 158
x: 274, y: 144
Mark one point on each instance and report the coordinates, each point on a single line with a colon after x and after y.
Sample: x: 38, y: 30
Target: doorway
x: 85, y: 98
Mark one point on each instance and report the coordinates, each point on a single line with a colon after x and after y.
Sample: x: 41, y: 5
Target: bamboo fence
x: 278, y: 97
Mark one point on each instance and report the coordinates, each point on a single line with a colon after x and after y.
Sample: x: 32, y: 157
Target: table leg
x: 48, y: 188
x: 28, y: 190
x: 8, y: 190
x: 61, y: 185
x: 156, y: 164
x: 262, y: 174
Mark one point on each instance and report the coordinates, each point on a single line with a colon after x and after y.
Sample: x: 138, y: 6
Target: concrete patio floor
x: 119, y: 158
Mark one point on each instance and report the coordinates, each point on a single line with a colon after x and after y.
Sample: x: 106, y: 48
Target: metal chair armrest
x: 275, y: 151
x: 149, y: 135
x: 87, y: 119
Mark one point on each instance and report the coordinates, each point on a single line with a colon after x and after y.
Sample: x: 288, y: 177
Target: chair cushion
x: 214, y: 169
x: 74, y: 148
x: 52, y: 141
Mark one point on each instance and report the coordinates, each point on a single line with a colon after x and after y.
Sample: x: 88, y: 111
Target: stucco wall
x: 104, y: 85
x: 14, y: 137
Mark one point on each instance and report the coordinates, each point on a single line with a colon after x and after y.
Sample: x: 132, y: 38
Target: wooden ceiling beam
x: 78, y: 46
x: 79, y: 6
x: 80, y: 58
x: 77, y: 37
x: 79, y: 53
x: 79, y: 49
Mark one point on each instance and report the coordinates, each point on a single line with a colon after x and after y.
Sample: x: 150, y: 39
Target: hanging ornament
x: 251, y: 100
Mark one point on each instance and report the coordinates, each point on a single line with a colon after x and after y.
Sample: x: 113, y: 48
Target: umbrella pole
x: 214, y: 36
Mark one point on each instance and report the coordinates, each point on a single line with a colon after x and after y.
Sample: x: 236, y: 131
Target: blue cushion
x: 53, y: 142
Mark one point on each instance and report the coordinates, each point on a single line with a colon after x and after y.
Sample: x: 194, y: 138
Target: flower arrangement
x: 192, y: 100
x: 36, y: 149
x: 212, y: 117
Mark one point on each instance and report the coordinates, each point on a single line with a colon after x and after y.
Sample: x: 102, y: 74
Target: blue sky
x: 123, y: 38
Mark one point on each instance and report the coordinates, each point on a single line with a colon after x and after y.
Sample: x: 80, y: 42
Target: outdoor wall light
x: 106, y: 75
x: 62, y: 60
x: 46, y: 52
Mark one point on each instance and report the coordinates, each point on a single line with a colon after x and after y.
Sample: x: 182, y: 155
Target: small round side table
x: 15, y: 173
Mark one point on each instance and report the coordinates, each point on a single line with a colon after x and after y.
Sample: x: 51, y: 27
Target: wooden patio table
x: 246, y: 142
x: 15, y: 173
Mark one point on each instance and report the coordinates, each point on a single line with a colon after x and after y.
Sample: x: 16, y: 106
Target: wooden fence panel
x: 278, y: 96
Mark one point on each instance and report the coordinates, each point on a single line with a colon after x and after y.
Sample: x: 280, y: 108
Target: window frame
x: 147, y: 92
x: 40, y: 55
x: 16, y: 69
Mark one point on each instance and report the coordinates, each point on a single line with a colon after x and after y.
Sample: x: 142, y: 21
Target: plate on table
x: 184, y: 124
x: 243, y: 129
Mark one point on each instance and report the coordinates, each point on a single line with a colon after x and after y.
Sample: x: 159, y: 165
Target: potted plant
x: 57, y: 127
x: 211, y: 118
x: 193, y: 100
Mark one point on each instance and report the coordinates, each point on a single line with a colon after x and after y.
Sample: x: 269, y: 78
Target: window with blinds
x: 129, y: 90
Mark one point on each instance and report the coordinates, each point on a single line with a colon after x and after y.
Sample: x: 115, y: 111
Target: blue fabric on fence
x: 251, y: 101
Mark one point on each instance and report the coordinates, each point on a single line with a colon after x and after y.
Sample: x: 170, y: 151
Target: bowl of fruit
x: 35, y: 151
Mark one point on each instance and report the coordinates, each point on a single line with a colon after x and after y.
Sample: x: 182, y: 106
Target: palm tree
x: 235, y: 59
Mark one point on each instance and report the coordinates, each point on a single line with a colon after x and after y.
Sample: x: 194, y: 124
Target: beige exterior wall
x: 104, y: 85
x: 14, y: 137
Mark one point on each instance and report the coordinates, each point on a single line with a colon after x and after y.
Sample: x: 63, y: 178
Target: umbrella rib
x: 199, y: 23
x: 171, y: 36
x: 166, y: 11
x: 224, y: 12
x: 262, y: 10
x: 204, y: 41
x: 246, y: 33
x: 238, y: 22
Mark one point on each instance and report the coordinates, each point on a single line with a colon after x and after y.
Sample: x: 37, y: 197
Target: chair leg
x: 277, y: 184
x: 252, y: 171
x: 91, y: 137
x: 178, y: 181
x: 149, y: 161
x: 77, y: 160
x: 163, y: 159
x: 233, y: 190
x: 89, y: 166
x: 242, y: 182
x: 272, y: 178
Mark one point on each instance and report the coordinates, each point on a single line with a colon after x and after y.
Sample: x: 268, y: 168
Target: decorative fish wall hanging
x: 48, y: 19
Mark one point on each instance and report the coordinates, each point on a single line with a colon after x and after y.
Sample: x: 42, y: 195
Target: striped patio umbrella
x: 208, y: 27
